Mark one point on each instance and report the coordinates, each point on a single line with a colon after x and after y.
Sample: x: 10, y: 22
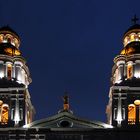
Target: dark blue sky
x: 70, y: 45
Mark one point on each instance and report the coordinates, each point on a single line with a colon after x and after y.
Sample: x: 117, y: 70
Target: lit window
x: 17, y: 52
x: 129, y: 71
x: 9, y: 71
x: 131, y: 114
x: 9, y: 38
x: 4, y: 111
x: 126, y: 40
x: 4, y: 114
x: 8, y: 51
x: 132, y: 37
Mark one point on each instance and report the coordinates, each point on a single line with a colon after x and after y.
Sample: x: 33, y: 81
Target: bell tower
x: 16, y: 108
x: 123, y: 109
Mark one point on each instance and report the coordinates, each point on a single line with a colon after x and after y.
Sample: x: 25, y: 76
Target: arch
x: 131, y: 114
x: 129, y: 70
x: 9, y: 71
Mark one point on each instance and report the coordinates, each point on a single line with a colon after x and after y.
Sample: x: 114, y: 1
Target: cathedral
x: 17, y: 112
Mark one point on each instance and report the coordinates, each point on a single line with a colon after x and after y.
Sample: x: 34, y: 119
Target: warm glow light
x: 131, y: 37
x: 11, y: 51
x: 7, y: 37
x: 4, y: 114
x: 131, y: 114
x: 129, y: 70
x: 9, y: 71
x: 137, y: 102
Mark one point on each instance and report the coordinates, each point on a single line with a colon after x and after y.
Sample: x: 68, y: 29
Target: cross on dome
x: 134, y: 19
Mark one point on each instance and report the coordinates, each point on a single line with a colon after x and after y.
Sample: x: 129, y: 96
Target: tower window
x: 129, y: 71
x: 131, y: 114
x: 132, y: 37
x: 4, y: 111
x: 9, y: 71
x: 4, y: 114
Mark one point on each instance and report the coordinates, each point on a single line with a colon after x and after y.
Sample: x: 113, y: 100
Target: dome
x: 8, y: 35
x: 133, y: 28
x: 8, y: 29
x: 131, y: 39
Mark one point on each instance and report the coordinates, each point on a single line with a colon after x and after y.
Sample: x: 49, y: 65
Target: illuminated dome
x: 132, y: 35
x: 131, y: 39
x: 9, y: 42
x: 7, y: 35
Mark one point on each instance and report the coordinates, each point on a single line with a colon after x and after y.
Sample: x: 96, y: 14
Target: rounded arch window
x: 131, y: 114
x: 129, y: 70
x: 65, y: 123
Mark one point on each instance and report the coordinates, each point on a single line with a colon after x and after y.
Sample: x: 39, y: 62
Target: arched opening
x: 131, y: 114
x: 9, y: 71
x: 4, y: 114
x: 129, y: 70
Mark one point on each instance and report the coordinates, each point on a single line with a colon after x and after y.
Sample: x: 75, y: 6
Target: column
x: 17, y: 114
x: 119, y: 111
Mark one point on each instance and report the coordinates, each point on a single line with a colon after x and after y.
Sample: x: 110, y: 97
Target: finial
x: 135, y: 19
x: 66, y: 101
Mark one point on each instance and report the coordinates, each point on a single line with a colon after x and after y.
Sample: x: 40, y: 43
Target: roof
x: 66, y: 119
x: 133, y: 27
x: 8, y: 28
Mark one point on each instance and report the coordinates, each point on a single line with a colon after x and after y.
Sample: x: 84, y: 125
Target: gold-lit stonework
x: 9, y: 71
x: 8, y: 37
x: 134, y: 36
x: 131, y: 114
x: 129, y: 71
x: 4, y: 111
x: 12, y: 52
x: 137, y: 102
x: 128, y: 51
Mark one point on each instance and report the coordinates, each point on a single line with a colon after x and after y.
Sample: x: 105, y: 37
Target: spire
x: 134, y: 19
x: 66, y: 101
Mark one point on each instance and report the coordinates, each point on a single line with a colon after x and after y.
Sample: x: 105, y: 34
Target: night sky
x: 70, y: 45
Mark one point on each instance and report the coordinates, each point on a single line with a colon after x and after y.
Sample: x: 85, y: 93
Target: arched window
x: 126, y: 40
x: 129, y: 71
x: 4, y: 111
x: 4, y: 114
x: 9, y: 71
x: 131, y: 114
x: 132, y: 37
